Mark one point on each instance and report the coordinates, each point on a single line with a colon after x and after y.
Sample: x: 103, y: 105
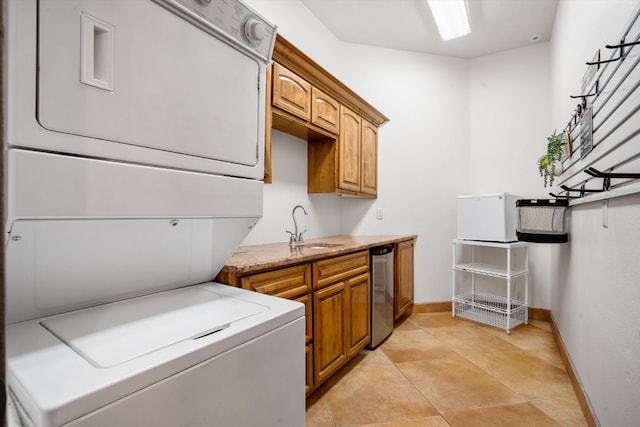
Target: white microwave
x: 487, y: 217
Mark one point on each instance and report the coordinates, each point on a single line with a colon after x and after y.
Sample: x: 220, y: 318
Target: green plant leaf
x: 555, y: 153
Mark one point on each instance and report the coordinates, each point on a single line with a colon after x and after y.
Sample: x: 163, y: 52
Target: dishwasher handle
x: 381, y: 250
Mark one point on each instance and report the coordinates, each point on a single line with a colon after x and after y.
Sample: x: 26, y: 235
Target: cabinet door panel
x: 404, y: 278
x: 325, y: 111
x: 358, y: 313
x: 369, y: 158
x: 329, y: 330
x: 291, y: 93
x: 349, y: 167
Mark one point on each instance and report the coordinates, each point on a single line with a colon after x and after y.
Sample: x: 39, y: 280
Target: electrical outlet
x: 379, y: 214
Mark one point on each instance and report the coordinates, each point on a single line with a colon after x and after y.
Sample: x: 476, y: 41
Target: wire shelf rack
x: 491, y: 310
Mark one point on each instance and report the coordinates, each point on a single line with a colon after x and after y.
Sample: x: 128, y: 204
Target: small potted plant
x: 548, y: 163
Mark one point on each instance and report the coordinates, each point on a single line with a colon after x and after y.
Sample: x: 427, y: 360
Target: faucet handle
x: 300, y: 238
x: 292, y: 238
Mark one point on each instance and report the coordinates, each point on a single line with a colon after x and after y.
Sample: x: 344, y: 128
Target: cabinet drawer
x: 333, y: 270
x: 288, y: 282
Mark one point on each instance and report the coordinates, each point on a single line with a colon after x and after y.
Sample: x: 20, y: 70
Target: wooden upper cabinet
x: 340, y: 127
x: 268, y: 124
x: 347, y: 165
x: 291, y: 93
x: 349, y: 151
x: 369, y: 158
x: 325, y: 111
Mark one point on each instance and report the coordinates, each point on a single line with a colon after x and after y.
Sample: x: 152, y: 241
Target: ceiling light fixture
x: 451, y: 16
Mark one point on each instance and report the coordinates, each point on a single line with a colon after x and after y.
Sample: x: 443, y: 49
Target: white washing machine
x: 204, y: 355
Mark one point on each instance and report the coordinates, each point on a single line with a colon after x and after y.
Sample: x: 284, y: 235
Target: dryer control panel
x: 232, y: 20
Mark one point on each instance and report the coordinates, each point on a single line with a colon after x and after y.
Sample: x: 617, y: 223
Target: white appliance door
x: 260, y: 383
x: 133, y: 73
x: 112, y: 334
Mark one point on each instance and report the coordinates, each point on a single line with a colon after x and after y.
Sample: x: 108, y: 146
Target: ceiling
x: 496, y: 25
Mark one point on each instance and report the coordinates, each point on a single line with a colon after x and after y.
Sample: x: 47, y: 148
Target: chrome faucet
x: 296, y: 238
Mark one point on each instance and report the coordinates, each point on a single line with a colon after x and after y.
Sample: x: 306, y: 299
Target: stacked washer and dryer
x: 134, y: 147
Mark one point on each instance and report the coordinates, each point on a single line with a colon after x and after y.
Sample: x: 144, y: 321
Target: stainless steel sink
x: 321, y: 245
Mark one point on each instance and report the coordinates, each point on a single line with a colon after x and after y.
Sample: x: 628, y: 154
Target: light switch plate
x: 379, y: 213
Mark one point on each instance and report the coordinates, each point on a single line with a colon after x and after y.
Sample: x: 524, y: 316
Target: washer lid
x: 111, y: 334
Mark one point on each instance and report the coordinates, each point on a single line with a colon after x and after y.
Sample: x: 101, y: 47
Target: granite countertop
x: 252, y: 258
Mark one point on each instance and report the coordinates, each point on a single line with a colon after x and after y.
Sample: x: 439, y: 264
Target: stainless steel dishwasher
x: 381, y: 293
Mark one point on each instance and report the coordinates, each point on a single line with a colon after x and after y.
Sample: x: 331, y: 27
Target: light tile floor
x: 436, y: 371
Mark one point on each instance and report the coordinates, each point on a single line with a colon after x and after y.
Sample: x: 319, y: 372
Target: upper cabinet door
x: 349, y: 147
x: 291, y: 93
x: 369, y: 156
x: 325, y: 111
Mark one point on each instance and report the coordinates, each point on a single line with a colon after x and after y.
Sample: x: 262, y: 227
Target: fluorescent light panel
x: 451, y: 17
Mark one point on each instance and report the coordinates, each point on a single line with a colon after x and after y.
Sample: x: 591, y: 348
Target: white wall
x: 423, y: 155
x: 509, y: 121
x: 289, y: 188
x: 298, y: 25
x: 595, y: 293
x: 289, y: 154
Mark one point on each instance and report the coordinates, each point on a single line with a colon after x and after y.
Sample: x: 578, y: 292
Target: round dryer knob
x: 254, y: 30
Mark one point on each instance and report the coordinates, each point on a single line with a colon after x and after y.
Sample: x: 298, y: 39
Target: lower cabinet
x: 403, y: 283
x: 289, y: 282
x: 336, y: 294
x: 340, y: 311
